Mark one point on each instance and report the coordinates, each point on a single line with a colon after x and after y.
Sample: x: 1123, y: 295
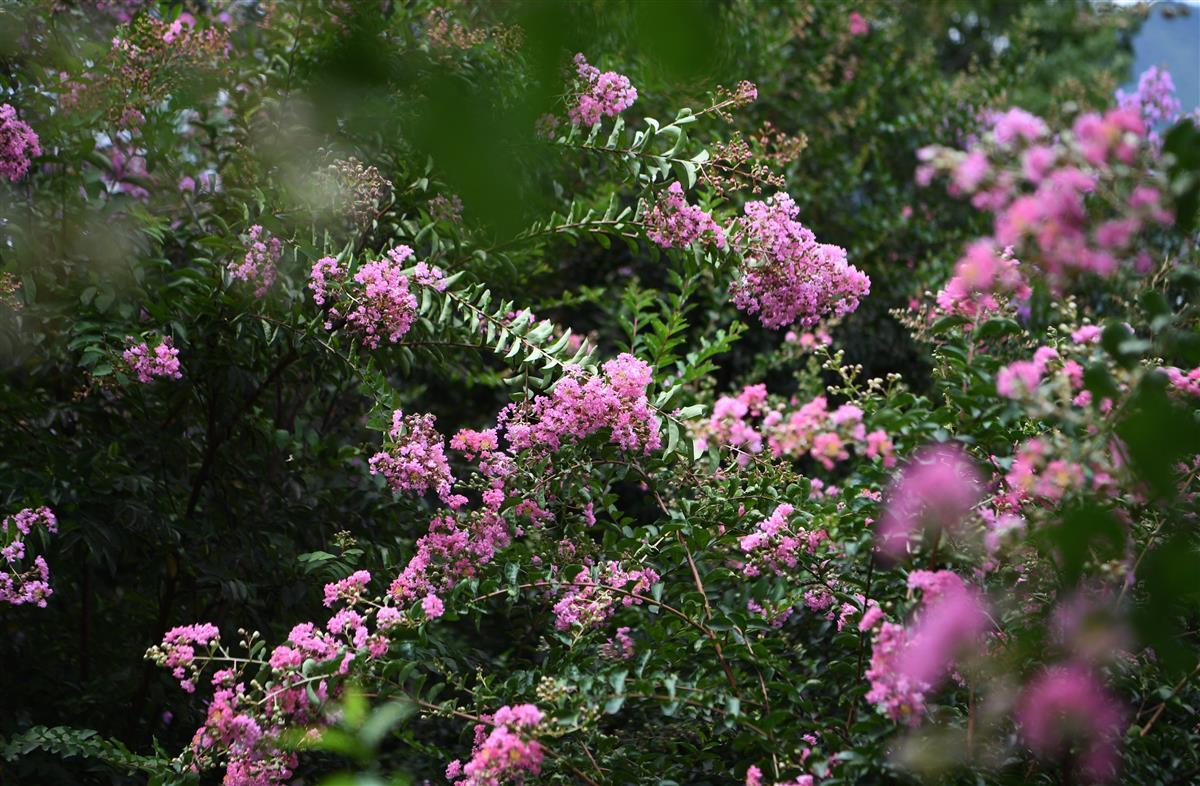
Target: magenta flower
x: 432, y: 606
x: 415, y: 461
x: 1067, y: 709
x: 949, y: 625
x: 935, y: 491
x: 673, y: 223
x: 260, y: 264
x: 19, y: 582
x: 786, y: 275
x: 604, y: 94
x: 18, y: 144
x: 505, y: 754
x: 147, y: 364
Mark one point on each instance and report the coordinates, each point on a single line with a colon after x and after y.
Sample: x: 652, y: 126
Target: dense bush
x: 594, y: 393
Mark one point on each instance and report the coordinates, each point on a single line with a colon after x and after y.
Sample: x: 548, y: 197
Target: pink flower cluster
x: 1068, y: 707
x: 1184, y: 381
x: 504, y: 755
x: 858, y: 24
x: 620, y: 646
x: 776, y: 546
x: 907, y: 663
x: 415, y: 462
x: 1036, y: 476
x: 18, y: 144
x: 580, y: 406
x: 349, y: 589
x: 746, y: 423
x: 1074, y: 204
x: 979, y: 276
x: 243, y: 727
x: 589, y: 602
x: 604, y: 94
x: 934, y: 492
x: 260, y: 265
x: 178, y: 651
x: 376, y: 303
x: 147, y: 364
x: 450, y: 551
x: 673, y: 223
x: 754, y: 777
x: 786, y: 275
x: 1154, y: 99
x: 233, y: 727
x: 1021, y: 378
x: 20, y: 585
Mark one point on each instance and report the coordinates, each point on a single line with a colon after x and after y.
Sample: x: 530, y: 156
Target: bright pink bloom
x: 260, y: 265
x: 1068, y: 706
x: 673, y: 223
x: 579, y: 406
x: 1018, y: 379
x: 147, y: 364
x: 20, y: 584
x: 18, y: 144
x: 588, y: 602
x: 602, y: 95
x: 1018, y: 125
x: 432, y: 606
x: 415, y: 462
x: 935, y: 491
x: 786, y: 275
x: 505, y: 754
x: 349, y: 589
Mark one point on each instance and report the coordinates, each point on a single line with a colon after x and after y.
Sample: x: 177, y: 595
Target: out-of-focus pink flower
x: 1068, y: 706
x: 934, y: 492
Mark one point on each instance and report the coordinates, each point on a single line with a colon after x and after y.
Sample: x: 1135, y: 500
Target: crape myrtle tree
x: 660, y: 393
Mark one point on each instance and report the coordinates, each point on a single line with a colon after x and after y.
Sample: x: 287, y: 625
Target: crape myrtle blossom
x: 673, y: 223
x: 1073, y: 204
x: 935, y: 491
x: 245, y: 720
x: 456, y: 547
x: 260, y: 264
x: 178, y: 651
x: 459, y: 544
x: 504, y: 753
x: 979, y: 276
x: 1068, y: 708
x: 348, y: 590
x: 600, y: 95
x: 1184, y: 381
x: 775, y: 545
x: 909, y: 662
x: 148, y: 364
x: 376, y: 303
x: 786, y: 276
x: 21, y: 583
x: 415, y: 462
x: 588, y: 602
x: 748, y: 424
x: 1020, y: 378
x: 580, y: 406
x: 19, y: 144
x: 620, y: 646
x: 754, y: 777
x: 1154, y: 98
